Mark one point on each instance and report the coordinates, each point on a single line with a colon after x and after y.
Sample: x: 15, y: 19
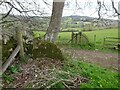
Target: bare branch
x: 104, y: 6
x: 99, y: 9
x: 13, y: 6
x: 7, y: 13
x: 116, y: 11
x: 46, y: 2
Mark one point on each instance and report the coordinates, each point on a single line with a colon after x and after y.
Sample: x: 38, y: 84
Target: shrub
x: 47, y: 49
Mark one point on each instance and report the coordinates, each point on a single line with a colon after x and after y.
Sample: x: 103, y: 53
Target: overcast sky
x: 82, y: 8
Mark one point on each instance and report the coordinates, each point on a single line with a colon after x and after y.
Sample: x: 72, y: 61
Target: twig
x: 53, y: 84
x: 61, y: 80
x: 66, y: 85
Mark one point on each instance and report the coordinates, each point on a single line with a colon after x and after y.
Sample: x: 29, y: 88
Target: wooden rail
x: 10, y: 59
x: 111, y: 42
x: 70, y: 31
x: 60, y: 30
x: 112, y: 38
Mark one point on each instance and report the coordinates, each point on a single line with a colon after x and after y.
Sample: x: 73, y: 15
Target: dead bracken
x: 44, y: 73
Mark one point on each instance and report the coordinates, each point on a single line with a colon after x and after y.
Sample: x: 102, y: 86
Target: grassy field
x: 100, y: 35
x: 64, y: 37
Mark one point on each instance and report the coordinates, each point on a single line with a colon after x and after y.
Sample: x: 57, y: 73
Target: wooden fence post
x: 95, y: 41
x: 104, y: 42
x: 81, y: 38
x: 20, y: 43
x: 76, y: 38
x: 72, y: 37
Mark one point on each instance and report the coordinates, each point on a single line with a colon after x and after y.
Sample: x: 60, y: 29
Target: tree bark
x: 54, y: 25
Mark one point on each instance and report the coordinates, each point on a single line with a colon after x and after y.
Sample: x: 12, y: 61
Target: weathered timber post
x: 20, y: 43
x: 76, y: 38
x: 80, y: 37
x: 95, y: 41
x: 72, y: 36
x: 104, y: 42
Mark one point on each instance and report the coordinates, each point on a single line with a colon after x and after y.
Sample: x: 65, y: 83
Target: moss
x: 47, y: 49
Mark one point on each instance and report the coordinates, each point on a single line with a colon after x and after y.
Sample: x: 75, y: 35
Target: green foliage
x: 8, y: 79
x: 47, y: 49
x: 58, y: 85
x: 38, y: 34
x: 14, y: 69
x: 98, y: 77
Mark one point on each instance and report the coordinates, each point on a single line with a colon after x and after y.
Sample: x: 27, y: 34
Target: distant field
x: 64, y: 37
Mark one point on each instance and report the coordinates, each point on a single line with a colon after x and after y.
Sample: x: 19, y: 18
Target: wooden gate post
x: 20, y: 43
x: 80, y: 38
x: 76, y: 37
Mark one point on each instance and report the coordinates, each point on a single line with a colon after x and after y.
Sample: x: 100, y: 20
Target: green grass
x: 98, y: 77
x: 101, y: 34
x: 64, y: 37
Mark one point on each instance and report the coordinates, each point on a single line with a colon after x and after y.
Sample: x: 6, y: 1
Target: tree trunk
x: 54, y: 25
